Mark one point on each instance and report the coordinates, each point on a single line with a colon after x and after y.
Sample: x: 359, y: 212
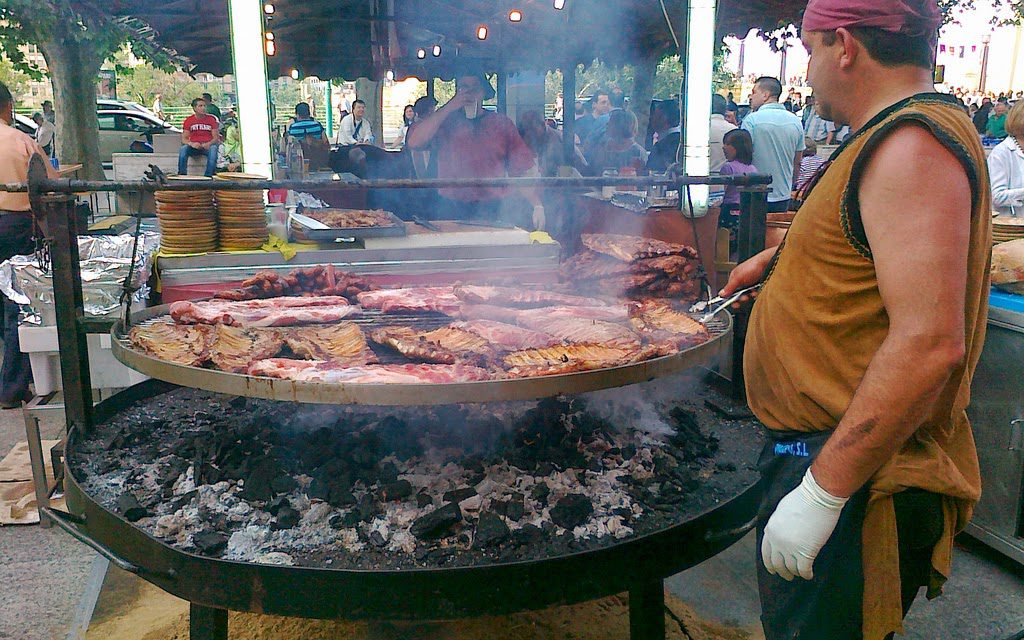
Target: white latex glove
x: 801, y: 525
x: 538, y: 217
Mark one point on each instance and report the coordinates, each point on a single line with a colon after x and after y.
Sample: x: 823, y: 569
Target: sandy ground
x: 133, y: 610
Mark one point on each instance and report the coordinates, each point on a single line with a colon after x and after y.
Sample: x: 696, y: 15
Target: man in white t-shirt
x: 355, y: 135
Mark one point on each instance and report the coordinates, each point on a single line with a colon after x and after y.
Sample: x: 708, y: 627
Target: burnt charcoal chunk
x: 531, y: 534
x: 283, y: 484
x: 545, y: 468
x: 170, y: 473
x: 458, y: 495
x: 367, y: 508
x: 387, y: 472
x: 725, y: 466
x: 341, y: 497
x: 515, y: 510
x: 287, y: 517
x: 319, y: 490
x: 276, y: 504
x: 129, y: 507
x: 541, y: 492
x: 336, y: 521
x: 237, y: 402
x: 438, y: 523
x: 257, y: 484
x: 399, y: 490
x: 572, y: 511
x: 491, y: 530
x: 350, y: 519
x: 623, y: 512
x: 475, y: 478
x: 595, y: 465
x: 210, y: 543
x: 628, y: 452
x: 423, y: 500
x: 377, y: 539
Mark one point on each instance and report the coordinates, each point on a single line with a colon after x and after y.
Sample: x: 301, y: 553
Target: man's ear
x: 849, y: 48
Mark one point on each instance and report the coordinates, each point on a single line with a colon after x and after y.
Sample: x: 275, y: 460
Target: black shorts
x: 830, y: 607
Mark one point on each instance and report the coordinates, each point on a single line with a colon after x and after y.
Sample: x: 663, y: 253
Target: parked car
x: 25, y: 124
x: 124, y: 131
x: 123, y: 105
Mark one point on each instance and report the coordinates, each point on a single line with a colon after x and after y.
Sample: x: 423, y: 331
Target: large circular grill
x: 421, y: 593
x: 704, y: 354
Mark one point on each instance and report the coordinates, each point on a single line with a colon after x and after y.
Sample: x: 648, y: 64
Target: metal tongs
x: 718, y: 303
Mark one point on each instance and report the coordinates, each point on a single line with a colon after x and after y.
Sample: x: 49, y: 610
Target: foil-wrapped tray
x: 104, y: 263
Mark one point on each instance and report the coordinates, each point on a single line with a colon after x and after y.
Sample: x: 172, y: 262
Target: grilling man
x: 470, y: 142
x: 865, y: 336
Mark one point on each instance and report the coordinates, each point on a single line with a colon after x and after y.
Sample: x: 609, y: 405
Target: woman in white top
x: 1006, y: 166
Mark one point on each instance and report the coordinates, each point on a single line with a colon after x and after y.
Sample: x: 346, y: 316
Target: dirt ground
x: 131, y: 609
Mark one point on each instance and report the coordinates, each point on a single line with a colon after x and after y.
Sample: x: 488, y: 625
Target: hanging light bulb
x: 559, y: 4
x: 295, y: 74
x: 270, y: 47
x: 437, y: 51
x: 421, y: 53
x: 268, y: 9
x: 270, y: 35
x: 390, y: 75
x: 515, y: 15
x: 481, y: 32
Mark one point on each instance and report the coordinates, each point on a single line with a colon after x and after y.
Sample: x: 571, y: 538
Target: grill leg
x: 647, y: 611
x: 206, y: 623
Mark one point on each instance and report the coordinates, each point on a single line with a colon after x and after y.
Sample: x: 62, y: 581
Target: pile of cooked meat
x: 445, y: 334
x: 318, y: 280
x: 634, y: 267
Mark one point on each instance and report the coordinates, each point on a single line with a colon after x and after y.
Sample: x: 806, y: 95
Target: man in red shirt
x: 200, y: 137
x: 470, y: 142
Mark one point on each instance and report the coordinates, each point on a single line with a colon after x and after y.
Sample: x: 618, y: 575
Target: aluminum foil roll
x: 105, y: 262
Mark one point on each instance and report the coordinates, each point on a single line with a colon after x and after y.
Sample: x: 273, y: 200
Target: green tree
x: 17, y: 81
x: 75, y: 38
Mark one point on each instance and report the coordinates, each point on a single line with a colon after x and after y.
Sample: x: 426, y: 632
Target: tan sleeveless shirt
x: 820, y: 319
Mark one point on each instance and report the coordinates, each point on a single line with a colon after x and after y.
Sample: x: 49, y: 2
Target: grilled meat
x: 617, y: 313
x: 410, y: 343
x: 657, y: 321
x: 562, y: 359
x: 343, y: 342
x: 414, y: 299
x: 591, y: 265
x: 585, y: 331
x: 489, y: 312
x: 179, y: 344
x: 633, y: 248
x: 234, y: 348
x: 330, y: 372
x: 272, y: 312
x: 507, y: 337
x: 526, y: 298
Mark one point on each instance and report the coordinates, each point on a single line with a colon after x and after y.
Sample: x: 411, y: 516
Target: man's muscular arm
x: 915, y: 202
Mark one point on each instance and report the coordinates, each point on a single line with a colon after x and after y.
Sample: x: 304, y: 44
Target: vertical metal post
x: 647, y: 611
x: 430, y: 85
x: 569, y: 111
x: 62, y: 229
x: 751, y: 240
x: 38, y: 464
x: 206, y: 623
x: 502, y: 92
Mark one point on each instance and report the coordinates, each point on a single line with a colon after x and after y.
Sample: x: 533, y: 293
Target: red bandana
x: 910, y: 17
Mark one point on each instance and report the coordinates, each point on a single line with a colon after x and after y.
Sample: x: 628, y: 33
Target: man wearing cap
x: 470, y: 142
x: 864, y: 338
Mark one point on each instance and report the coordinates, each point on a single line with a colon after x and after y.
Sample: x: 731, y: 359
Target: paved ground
x: 43, y: 576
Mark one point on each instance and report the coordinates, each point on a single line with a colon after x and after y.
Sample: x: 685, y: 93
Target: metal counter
x: 997, y: 416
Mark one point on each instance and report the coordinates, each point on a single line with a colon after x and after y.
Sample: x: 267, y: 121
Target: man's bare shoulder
x: 912, y: 151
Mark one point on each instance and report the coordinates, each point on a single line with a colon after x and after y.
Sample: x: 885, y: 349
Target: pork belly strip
x: 525, y: 298
x: 332, y: 372
x: 270, y: 312
x: 412, y: 300
x: 507, y: 337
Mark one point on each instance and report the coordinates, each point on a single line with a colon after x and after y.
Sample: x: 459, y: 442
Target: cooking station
x: 402, y: 501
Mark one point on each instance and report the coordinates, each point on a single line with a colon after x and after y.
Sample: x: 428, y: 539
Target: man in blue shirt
x: 778, y: 137
x: 311, y: 135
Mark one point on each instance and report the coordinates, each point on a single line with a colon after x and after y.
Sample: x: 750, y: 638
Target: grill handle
x: 68, y: 522
x: 728, y: 534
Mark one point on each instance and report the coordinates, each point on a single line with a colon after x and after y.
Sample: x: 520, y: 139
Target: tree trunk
x: 74, y: 65
x: 643, y: 92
